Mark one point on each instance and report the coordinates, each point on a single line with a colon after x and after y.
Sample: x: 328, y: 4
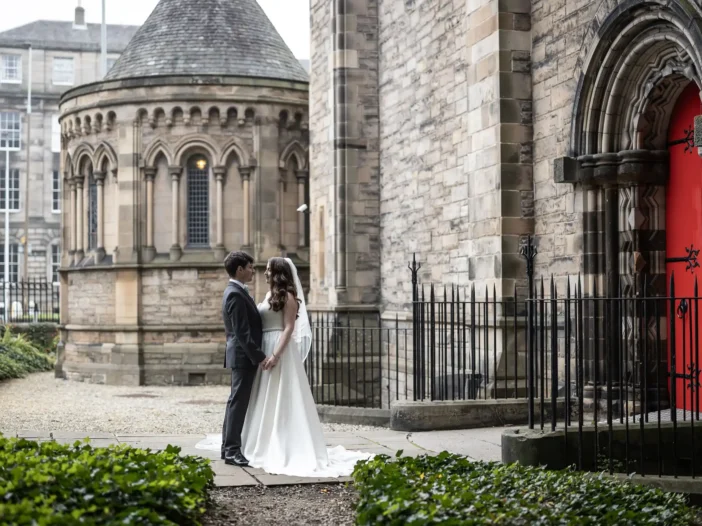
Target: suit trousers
x: 235, y: 412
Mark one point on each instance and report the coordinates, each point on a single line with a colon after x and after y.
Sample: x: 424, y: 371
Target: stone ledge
x: 560, y: 449
x: 356, y: 416
x: 459, y: 414
x: 180, y: 80
x: 144, y: 328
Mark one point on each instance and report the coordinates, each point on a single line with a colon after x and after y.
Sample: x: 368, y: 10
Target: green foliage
x: 43, y: 335
x: 51, y: 484
x: 451, y: 490
x: 10, y: 368
x: 19, y: 357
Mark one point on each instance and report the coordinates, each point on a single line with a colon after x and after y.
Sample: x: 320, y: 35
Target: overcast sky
x: 290, y: 17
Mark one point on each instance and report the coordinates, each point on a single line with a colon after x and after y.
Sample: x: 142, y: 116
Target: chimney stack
x: 79, y: 21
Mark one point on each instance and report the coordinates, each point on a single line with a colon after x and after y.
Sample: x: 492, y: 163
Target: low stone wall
x: 146, y: 357
x: 356, y: 416
x: 675, y: 451
x: 460, y: 414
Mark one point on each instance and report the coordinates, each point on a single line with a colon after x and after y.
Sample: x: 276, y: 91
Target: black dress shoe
x: 237, y: 459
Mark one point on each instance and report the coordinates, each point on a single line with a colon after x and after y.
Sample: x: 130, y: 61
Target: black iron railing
x: 468, y: 345
x: 29, y: 301
x: 626, y: 372
x: 354, y: 359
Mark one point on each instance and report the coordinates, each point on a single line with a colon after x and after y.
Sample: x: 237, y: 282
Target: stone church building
x: 194, y: 144
x: 449, y: 129
x: 455, y: 129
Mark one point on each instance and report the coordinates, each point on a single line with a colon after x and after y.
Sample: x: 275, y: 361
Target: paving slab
x: 68, y: 435
x: 479, y: 444
x: 239, y: 479
x: 193, y: 452
x: 220, y: 468
x: 97, y: 442
x: 157, y: 436
x: 175, y: 439
x: 284, y: 480
x: 24, y: 433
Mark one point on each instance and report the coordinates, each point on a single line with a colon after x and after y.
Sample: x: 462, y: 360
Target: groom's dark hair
x: 235, y: 260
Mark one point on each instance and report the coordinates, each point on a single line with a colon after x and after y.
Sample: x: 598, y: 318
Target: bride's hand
x: 271, y: 362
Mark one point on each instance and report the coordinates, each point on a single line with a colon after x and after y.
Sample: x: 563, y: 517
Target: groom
x: 244, y: 330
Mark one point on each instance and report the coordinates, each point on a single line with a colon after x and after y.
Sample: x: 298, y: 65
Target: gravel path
x: 42, y: 403
x: 289, y: 505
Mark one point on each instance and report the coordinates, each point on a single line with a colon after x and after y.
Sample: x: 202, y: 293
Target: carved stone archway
x: 641, y: 55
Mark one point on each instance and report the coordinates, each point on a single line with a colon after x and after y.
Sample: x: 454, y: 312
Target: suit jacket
x: 244, y: 329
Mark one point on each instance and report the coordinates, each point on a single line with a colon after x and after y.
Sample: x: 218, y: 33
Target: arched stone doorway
x: 684, y: 233
x: 639, y: 57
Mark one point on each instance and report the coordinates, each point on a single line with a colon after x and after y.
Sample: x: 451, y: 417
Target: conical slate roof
x: 208, y: 37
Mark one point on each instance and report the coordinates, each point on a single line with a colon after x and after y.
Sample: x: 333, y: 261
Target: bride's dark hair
x: 281, y: 282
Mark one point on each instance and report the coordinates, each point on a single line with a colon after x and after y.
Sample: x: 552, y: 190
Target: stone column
x: 80, y: 220
x: 281, y: 209
x: 302, y: 216
x: 220, y: 173
x: 176, y: 250
x: 245, y: 173
x: 100, y: 183
x: 354, y: 143
x: 73, y: 219
x: 150, y: 249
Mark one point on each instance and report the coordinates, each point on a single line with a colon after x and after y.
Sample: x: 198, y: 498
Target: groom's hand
x: 266, y: 364
x: 270, y: 362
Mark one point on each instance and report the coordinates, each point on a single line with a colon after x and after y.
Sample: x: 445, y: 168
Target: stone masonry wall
x: 558, y: 32
x: 474, y: 96
x: 320, y: 155
x: 182, y: 296
x: 344, y: 163
x: 91, y: 298
x: 424, y: 144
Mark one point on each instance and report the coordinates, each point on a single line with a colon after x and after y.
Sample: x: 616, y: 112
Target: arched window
x: 198, y: 201
x: 92, y: 211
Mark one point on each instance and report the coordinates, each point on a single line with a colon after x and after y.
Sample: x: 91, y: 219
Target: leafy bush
x: 52, y: 484
x: 10, y: 368
x: 450, y: 489
x: 44, y: 336
x: 18, y: 357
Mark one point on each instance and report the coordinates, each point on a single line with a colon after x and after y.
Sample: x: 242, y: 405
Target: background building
x: 63, y: 55
x: 181, y: 154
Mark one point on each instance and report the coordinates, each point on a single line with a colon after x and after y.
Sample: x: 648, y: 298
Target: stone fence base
x: 459, y: 414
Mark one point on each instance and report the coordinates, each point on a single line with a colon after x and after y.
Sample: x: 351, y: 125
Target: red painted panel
x: 683, y: 228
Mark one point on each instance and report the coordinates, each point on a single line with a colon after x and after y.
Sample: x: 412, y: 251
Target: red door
x: 684, y: 228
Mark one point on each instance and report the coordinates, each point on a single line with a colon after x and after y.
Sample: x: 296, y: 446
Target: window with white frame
x: 63, y: 74
x: 13, y: 262
x: 110, y: 63
x: 56, y: 192
x: 10, y: 124
x: 11, y: 68
x: 55, y: 262
x: 55, y: 134
x: 14, y: 189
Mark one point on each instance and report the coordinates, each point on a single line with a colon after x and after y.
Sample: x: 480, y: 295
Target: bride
x: 282, y: 434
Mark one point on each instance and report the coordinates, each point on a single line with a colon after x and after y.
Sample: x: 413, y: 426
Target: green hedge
x: 52, y: 484
x: 451, y: 490
x: 19, y: 357
x: 43, y: 335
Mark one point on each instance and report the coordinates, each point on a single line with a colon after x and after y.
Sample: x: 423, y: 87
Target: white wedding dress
x: 282, y: 434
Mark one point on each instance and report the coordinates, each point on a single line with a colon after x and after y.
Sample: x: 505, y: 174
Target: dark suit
x: 244, y: 329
